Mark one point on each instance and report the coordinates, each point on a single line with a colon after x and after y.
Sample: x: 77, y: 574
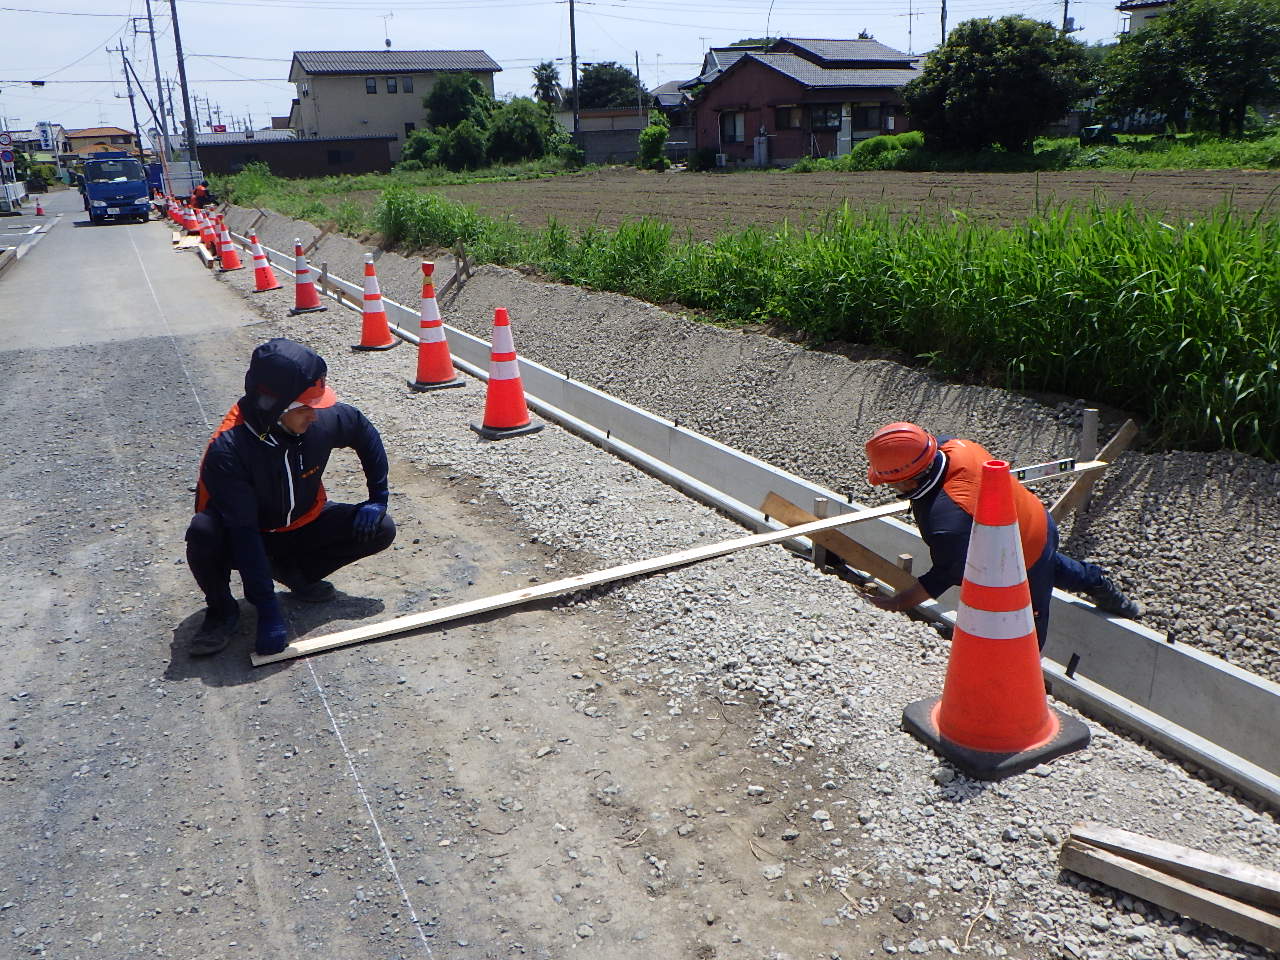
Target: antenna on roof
x: 390, y: 15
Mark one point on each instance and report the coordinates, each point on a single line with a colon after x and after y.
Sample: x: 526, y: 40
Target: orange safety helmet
x: 899, y: 451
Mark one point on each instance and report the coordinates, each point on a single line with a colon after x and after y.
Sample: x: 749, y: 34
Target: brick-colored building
x: 803, y: 98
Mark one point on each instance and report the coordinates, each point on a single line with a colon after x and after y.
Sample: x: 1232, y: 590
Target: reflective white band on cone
x: 995, y: 557
x: 1008, y: 625
x: 504, y: 369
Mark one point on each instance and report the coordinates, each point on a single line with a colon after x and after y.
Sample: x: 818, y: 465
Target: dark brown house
x: 803, y: 98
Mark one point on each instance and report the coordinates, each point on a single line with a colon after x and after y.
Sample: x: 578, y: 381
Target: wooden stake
x: 1079, y: 491
x: 472, y: 608
x: 821, y: 510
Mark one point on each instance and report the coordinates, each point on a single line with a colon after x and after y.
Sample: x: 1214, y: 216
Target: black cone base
x: 361, y: 346
x: 491, y: 433
x: 917, y: 720
x: 444, y: 385
x: 295, y: 311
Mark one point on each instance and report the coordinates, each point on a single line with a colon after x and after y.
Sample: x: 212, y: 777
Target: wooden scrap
x: 1078, y: 492
x: 315, y: 241
x: 1243, y: 881
x: 1173, y: 893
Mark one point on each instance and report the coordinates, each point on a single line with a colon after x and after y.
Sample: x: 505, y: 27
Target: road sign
x: 6, y: 140
x: 6, y: 156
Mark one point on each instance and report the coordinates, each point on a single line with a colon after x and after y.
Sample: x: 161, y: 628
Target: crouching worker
x: 940, y: 476
x: 260, y: 503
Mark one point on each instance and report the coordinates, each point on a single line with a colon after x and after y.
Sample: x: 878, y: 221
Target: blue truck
x: 114, y: 186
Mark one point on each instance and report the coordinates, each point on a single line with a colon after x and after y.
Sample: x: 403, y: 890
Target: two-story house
x: 802, y: 98
x: 362, y: 93
x: 99, y: 139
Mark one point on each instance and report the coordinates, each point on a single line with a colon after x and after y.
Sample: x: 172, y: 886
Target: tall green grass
x: 1176, y: 321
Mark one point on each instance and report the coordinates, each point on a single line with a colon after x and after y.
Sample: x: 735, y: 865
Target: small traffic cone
x: 206, y: 232
x: 39, y: 207
x: 993, y: 719
x: 435, y: 365
x: 264, y: 278
x: 306, y: 299
x: 375, y: 332
x: 189, y: 221
x: 505, y: 412
x: 227, y: 253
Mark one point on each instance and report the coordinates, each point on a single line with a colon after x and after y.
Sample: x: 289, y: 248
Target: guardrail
x: 1192, y: 704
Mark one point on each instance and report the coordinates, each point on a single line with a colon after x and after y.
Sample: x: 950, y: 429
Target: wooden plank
x: 1239, y: 880
x: 471, y: 608
x: 315, y: 242
x: 1079, y: 491
x: 843, y: 546
x: 1173, y: 893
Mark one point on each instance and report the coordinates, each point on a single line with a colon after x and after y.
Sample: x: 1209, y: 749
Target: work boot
x: 1108, y: 598
x: 217, y: 628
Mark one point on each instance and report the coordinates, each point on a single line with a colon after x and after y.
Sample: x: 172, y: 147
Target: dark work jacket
x: 257, y: 478
x: 944, y: 505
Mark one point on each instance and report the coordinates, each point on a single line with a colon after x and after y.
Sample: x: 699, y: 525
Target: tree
x: 608, y: 85
x: 1231, y: 52
x: 546, y: 83
x: 462, y: 147
x: 1146, y: 71
x: 996, y: 82
x: 653, y: 141
x: 456, y: 97
x: 519, y: 130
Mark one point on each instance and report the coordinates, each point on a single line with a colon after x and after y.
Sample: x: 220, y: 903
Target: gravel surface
x: 929, y: 861
x: 1171, y: 527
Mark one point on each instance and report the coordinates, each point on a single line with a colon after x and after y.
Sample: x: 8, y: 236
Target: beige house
x: 362, y: 93
x: 1139, y: 13
x: 99, y: 140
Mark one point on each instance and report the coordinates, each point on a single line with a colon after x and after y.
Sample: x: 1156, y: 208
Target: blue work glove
x: 367, y: 520
x: 273, y: 636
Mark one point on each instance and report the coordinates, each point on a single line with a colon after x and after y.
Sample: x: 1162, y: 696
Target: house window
x: 391, y: 84
x: 305, y: 88
x: 408, y: 129
x: 406, y: 84
x: 866, y: 116
x: 370, y: 84
x: 825, y: 116
x: 339, y: 157
x: 786, y: 118
x: 732, y: 127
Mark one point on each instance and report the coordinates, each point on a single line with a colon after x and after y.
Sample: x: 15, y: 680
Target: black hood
x: 279, y: 371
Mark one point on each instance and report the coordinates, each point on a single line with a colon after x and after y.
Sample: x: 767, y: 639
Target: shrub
x: 462, y: 147
x: 652, y: 144
x: 518, y: 130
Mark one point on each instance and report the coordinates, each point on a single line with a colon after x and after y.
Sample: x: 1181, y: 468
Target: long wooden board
x: 471, y: 608
x: 1079, y: 491
x: 1236, y: 879
x: 1173, y: 893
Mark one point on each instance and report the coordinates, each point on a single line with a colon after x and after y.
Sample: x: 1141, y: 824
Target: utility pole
x: 155, y: 62
x: 639, y: 89
x: 137, y: 134
x: 944, y: 22
x: 182, y: 79
x: 1066, y: 20
x: 573, y: 70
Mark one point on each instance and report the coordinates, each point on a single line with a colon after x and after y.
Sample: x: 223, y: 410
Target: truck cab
x: 114, y: 185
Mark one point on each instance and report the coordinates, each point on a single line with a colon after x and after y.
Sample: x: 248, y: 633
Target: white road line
x: 333, y: 721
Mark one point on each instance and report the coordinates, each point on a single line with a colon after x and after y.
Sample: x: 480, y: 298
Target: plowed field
x: 705, y: 204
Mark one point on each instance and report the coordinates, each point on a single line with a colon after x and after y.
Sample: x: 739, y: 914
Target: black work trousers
x: 297, y: 557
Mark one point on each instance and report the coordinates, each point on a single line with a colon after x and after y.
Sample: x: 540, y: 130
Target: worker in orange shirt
x: 940, y: 476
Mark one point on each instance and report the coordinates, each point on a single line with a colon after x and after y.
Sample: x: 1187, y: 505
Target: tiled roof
x: 668, y: 94
x: 864, y: 50
x: 99, y: 132
x: 812, y: 75
x: 393, y: 61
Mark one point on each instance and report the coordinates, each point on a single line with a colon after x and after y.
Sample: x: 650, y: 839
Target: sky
x: 238, y: 51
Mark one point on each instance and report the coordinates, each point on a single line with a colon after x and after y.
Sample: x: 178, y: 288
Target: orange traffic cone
x: 505, y: 412
x: 227, y: 253
x: 206, y: 232
x: 264, y: 278
x: 189, y: 221
x: 306, y: 299
x: 375, y: 332
x: 993, y: 719
x: 39, y: 207
x: 435, y: 366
